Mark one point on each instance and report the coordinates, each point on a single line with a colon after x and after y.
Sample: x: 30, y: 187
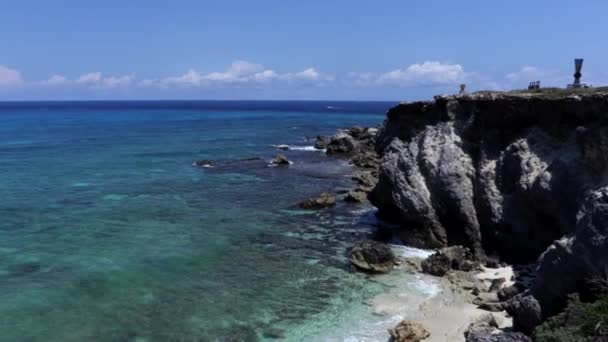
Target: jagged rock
x: 280, y: 160
x: 496, y: 284
x: 508, y: 292
x: 507, y: 174
x: 487, y: 297
x: 324, y: 200
x: 444, y: 260
x: 492, y: 307
x: 469, y: 266
x: 411, y: 265
x: 408, y: 331
x: 356, y: 196
x: 490, y: 170
x: 485, y: 329
x: 526, y: 313
x: 367, y: 160
x: 204, y: 163
x: 463, y: 280
x: 342, y: 143
x: 372, y: 256
x: 365, y: 180
x: 568, y: 264
x: 321, y: 142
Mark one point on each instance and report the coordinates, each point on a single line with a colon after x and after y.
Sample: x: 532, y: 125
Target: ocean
x: 109, y: 233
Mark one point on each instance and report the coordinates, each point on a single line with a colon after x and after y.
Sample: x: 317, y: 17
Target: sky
x: 299, y: 50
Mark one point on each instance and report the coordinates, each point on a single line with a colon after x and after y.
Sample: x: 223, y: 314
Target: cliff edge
x: 520, y: 176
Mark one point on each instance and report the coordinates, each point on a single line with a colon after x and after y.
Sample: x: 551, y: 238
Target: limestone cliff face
x: 502, y: 173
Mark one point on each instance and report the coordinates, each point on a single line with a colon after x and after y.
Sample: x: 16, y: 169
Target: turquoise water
x: 108, y: 233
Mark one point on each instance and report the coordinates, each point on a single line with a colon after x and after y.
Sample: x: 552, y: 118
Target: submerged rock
x: 324, y: 200
x: 372, y: 256
x: 280, y: 160
x: 24, y: 268
x: 204, y: 163
x: 408, y: 331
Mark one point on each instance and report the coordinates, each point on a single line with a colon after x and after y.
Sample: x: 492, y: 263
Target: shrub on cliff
x: 579, y: 322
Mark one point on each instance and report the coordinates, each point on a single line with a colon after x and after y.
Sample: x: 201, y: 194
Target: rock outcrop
x: 485, y: 329
x: 517, y: 175
x: 444, y: 260
x: 280, y: 159
x: 324, y: 200
x: 408, y: 331
x: 372, y: 256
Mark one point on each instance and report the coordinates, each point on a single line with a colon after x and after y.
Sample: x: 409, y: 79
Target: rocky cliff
x: 518, y: 175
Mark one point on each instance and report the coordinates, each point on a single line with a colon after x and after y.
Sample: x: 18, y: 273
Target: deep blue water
x: 108, y: 233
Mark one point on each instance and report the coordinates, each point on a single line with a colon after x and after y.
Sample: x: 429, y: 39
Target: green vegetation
x: 579, y: 322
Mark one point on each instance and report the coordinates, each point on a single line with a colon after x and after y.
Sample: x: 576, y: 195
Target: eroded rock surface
x: 324, y: 200
x: 372, y: 256
x: 514, y: 175
x: 408, y: 331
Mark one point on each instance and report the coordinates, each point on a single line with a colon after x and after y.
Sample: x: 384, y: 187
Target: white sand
x: 447, y: 315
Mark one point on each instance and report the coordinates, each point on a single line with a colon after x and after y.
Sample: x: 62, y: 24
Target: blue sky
x: 282, y: 49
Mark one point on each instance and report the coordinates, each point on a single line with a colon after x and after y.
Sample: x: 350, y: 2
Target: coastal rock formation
x: 408, y: 331
x: 280, y: 160
x: 321, y: 142
x: 372, y: 256
x: 485, y: 329
x: 342, y: 143
x: 324, y: 200
x: 444, y: 260
x: 516, y: 175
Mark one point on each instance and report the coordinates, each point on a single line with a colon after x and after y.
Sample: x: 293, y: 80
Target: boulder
x: 372, y: 256
x: 365, y: 180
x: 444, y: 260
x: 321, y: 142
x: 324, y: 200
x: 341, y: 143
x: 485, y: 329
x: 497, y: 284
x: 526, y: 313
x: 408, y: 331
x: 508, y: 292
x: 280, y: 159
x: 356, y: 196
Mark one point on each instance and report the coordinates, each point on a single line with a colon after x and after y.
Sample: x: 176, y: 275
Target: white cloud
x: 97, y: 80
x: 121, y: 81
x: 57, y: 79
x: 427, y: 73
x: 9, y: 77
x: 90, y: 78
x: 241, y: 72
x: 54, y: 80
